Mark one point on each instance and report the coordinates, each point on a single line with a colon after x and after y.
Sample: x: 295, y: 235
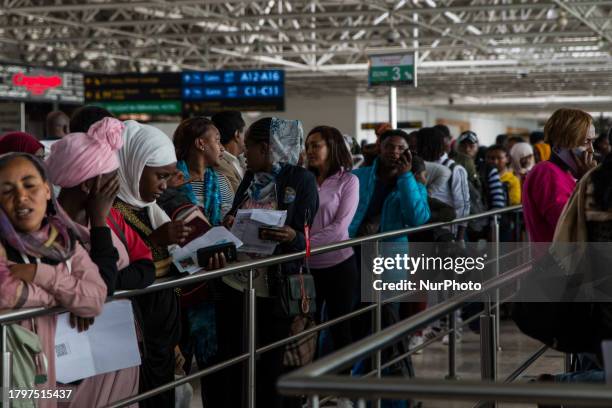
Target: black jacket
x: 296, y: 190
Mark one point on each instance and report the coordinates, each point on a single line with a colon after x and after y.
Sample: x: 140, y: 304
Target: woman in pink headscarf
x: 21, y: 142
x: 85, y: 166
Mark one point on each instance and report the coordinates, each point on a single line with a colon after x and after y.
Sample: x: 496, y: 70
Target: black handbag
x: 296, y: 295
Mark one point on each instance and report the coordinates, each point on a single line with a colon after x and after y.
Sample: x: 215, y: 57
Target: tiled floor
x: 433, y: 363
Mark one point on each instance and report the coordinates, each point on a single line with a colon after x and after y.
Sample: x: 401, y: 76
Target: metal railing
x: 21, y: 314
x: 317, y: 379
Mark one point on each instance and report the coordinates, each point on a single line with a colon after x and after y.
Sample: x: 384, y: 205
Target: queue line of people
x: 111, y: 228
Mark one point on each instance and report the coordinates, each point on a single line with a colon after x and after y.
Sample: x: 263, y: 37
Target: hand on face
x: 396, y: 155
x: 101, y: 198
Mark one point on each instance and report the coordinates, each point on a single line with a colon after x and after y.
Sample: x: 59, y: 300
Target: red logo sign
x: 37, y: 85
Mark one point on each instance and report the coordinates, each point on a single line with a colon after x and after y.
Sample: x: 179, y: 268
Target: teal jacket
x: 406, y: 206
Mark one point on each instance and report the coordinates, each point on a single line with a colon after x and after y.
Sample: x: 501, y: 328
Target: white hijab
x: 143, y: 145
x: 518, y: 152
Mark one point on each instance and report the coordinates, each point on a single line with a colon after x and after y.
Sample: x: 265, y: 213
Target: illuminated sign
x: 212, y: 91
x: 154, y: 94
x: 133, y: 87
x: 37, y: 85
x: 19, y: 82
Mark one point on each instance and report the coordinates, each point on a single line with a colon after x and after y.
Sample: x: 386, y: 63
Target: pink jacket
x: 79, y: 289
x: 546, y: 190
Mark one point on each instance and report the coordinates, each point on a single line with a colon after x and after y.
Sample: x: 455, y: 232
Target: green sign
x: 145, y: 107
x: 392, y: 70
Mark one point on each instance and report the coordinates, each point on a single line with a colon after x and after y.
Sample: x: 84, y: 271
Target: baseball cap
x: 468, y: 136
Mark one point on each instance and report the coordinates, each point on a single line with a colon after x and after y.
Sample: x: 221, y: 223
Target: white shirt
x: 235, y: 162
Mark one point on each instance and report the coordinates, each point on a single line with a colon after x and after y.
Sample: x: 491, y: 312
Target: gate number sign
x: 392, y: 70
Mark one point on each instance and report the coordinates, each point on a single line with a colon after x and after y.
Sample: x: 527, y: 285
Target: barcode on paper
x: 62, y: 350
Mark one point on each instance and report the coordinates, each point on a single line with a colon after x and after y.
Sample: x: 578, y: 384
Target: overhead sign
x: 136, y: 94
x: 213, y: 91
x: 392, y: 70
x: 19, y: 82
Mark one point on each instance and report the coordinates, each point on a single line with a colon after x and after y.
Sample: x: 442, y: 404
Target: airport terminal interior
x: 305, y: 203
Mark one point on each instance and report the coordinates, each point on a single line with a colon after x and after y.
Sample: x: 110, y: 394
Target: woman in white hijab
x: 522, y: 159
x: 147, y: 162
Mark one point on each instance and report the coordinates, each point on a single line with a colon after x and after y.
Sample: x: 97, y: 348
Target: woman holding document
x: 47, y: 265
x: 85, y: 166
x: 198, y: 150
x: 146, y: 163
x: 272, y: 182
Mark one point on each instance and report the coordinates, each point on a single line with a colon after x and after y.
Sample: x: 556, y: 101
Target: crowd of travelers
x: 89, y: 209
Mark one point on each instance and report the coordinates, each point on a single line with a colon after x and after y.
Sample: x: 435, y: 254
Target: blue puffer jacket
x: 406, y: 206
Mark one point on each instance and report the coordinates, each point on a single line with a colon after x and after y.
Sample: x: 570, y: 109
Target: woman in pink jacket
x: 47, y: 265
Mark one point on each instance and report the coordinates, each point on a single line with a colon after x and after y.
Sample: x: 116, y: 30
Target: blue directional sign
x: 212, y: 91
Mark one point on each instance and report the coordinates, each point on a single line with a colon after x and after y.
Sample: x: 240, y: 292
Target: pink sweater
x: 81, y: 290
x: 546, y: 190
x: 338, y: 198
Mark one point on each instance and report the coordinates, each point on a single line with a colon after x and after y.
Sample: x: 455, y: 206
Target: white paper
x: 214, y: 236
x: 246, y: 228
x: 185, y: 258
x: 606, y: 347
x: 110, y: 344
x: 269, y: 217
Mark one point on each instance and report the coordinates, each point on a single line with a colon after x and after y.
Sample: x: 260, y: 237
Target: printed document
x: 246, y: 228
x: 108, y: 345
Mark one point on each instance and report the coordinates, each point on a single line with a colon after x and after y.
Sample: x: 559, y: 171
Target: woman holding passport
x: 273, y: 182
x: 147, y: 161
x: 198, y: 150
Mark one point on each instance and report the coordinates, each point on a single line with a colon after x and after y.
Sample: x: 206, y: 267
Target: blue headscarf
x: 212, y: 198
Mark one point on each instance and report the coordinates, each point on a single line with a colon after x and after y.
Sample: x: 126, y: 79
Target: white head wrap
x: 143, y: 145
x: 286, y: 140
x: 518, y: 152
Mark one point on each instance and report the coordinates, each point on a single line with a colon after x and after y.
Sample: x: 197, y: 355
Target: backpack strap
x: 451, y: 167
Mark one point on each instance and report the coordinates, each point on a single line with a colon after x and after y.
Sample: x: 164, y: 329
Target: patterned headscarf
x: 286, y: 141
x: 56, y: 221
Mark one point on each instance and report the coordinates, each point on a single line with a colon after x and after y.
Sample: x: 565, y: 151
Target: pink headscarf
x: 80, y: 156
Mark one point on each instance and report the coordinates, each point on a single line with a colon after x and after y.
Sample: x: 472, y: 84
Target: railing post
x: 6, y: 367
x: 496, y: 245
x: 314, y: 401
x: 488, y: 354
x: 378, y: 328
x: 252, y: 342
x: 568, y: 362
x: 452, y: 346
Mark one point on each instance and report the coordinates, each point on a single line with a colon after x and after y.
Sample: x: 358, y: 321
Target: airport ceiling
x: 465, y: 47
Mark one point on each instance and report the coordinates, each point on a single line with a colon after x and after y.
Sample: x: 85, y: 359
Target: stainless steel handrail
x: 21, y: 314
x: 393, y: 333
x: 17, y: 315
x: 402, y: 388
